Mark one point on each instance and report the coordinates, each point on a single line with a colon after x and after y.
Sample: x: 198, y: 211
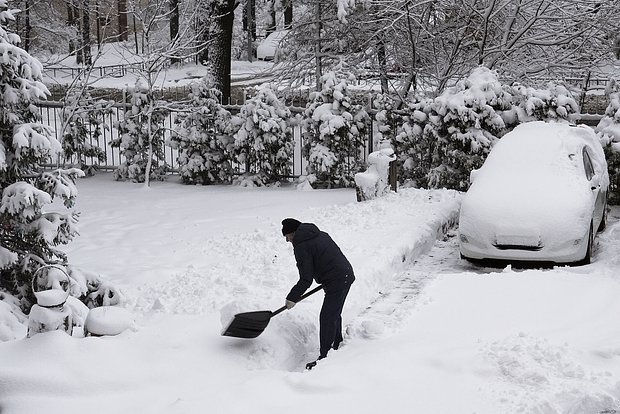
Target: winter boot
x: 312, y: 364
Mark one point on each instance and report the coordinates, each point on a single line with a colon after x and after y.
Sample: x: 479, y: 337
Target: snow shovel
x: 251, y: 324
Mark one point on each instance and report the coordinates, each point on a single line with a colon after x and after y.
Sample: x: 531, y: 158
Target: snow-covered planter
x: 333, y: 132
x: 374, y: 182
x: 203, y: 137
x: 264, y: 140
x: 50, y: 286
x: 50, y: 318
x: 107, y: 320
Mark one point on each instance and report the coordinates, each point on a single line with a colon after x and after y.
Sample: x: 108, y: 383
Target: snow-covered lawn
x: 426, y: 333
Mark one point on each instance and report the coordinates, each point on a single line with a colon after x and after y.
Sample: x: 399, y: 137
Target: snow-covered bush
x: 609, y: 132
x: 555, y: 103
x: 413, y: 146
x: 387, y: 120
x: 374, y: 182
x: 83, y: 125
x: 203, y: 137
x: 141, y: 137
x: 334, y: 131
x: 264, y: 140
x: 466, y: 122
x: 28, y: 235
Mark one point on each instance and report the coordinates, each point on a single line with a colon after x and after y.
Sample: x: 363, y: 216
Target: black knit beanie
x: 289, y: 225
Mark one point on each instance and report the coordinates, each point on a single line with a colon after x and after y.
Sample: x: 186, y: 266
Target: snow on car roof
x: 535, y: 144
x: 540, y: 147
x: 532, y: 170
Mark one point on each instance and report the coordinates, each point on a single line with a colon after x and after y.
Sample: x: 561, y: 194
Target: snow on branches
x: 141, y: 137
x: 204, y: 137
x: 468, y: 119
x: 608, y: 130
x: 28, y: 235
x: 83, y: 124
x: 333, y: 131
x: 264, y: 141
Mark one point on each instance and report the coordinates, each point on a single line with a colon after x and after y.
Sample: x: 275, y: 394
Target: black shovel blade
x: 248, y: 324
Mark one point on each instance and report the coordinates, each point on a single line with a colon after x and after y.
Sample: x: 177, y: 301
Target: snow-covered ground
x: 426, y: 332
x: 58, y: 69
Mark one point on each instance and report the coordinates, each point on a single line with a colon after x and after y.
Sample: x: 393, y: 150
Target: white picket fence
x: 51, y: 113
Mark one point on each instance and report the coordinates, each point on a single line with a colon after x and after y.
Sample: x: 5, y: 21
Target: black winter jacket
x: 319, y: 258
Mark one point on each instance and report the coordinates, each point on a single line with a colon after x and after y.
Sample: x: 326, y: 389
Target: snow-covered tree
x: 28, y: 235
x: 204, y: 137
x: 386, y: 119
x: 413, y: 147
x: 334, y: 131
x: 141, y: 137
x: 467, y: 123
x: 609, y: 132
x: 84, y: 123
x: 264, y: 141
x: 554, y: 103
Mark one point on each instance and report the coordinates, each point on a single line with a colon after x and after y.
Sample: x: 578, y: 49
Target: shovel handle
x: 304, y: 296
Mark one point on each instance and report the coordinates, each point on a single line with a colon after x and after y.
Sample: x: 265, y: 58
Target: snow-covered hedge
x: 442, y: 139
x: 609, y: 132
x: 141, y: 137
x: 264, y: 139
x: 204, y: 137
x: 83, y: 123
x: 333, y: 131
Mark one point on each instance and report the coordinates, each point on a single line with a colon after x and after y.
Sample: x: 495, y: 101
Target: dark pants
x: 330, y: 319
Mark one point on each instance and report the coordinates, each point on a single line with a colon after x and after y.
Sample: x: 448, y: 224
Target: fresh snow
x: 426, y: 332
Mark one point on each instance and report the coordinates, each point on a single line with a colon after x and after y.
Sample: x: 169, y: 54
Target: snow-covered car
x: 268, y: 48
x: 540, y: 196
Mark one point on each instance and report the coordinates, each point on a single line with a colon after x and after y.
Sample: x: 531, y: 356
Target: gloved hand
x: 289, y: 304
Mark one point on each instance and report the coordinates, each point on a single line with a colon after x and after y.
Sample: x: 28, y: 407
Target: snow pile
x: 373, y: 182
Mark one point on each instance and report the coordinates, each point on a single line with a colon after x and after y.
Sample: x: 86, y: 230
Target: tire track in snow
x: 396, y: 302
x: 387, y: 313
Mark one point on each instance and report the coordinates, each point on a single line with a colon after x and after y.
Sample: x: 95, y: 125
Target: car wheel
x: 603, y: 224
x: 588, y: 258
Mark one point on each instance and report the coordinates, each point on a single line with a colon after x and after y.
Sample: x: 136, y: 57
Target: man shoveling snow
x: 319, y: 258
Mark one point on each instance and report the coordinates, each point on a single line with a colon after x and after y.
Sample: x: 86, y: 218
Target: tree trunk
x: 318, y: 68
x: 288, y: 14
x: 271, y: 27
x: 72, y: 21
x: 222, y: 41
x: 27, y: 26
x: 381, y: 57
x: 174, y: 26
x: 249, y: 20
x: 98, y: 24
x: 88, y: 60
x: 123, y: 31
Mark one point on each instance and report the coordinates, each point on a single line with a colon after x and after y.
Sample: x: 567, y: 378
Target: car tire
x: 588, y: 257
x: 603, y: 224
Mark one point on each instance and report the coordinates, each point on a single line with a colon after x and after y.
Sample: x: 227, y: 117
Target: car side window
x: 587, y: 164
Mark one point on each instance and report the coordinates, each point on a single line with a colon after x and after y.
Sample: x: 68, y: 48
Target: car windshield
x: 531, y: 154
